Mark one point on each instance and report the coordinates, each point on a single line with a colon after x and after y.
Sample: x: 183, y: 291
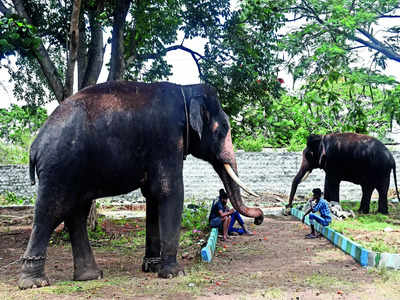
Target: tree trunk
x: 73, y: 49
x: 92, y: 218
x: 117, y: 63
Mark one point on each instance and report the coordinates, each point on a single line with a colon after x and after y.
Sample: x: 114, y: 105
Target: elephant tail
x: 395, y: 181
x: 32, y: 165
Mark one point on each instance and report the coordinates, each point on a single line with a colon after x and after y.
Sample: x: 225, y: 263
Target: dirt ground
x: 275, y: 263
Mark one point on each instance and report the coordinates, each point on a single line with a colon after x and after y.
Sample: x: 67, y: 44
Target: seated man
x: 223, y: 218
x: 323, y: 208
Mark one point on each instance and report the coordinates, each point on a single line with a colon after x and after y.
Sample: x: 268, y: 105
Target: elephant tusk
x: 305, y: 176
x: 237, y: 180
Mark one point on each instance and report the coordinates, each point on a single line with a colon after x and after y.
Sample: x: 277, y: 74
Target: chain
x: 32, y: 258
x: 151, y: 260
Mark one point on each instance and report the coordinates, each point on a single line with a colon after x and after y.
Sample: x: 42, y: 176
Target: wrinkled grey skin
x: 111, y: 139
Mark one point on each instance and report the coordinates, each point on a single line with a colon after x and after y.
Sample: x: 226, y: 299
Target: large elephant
x: 116, y: 137
x: 357, y: 158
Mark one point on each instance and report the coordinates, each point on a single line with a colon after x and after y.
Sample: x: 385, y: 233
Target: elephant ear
x: 195, y: 115
x: 313, y: 147
x: 322, y: 157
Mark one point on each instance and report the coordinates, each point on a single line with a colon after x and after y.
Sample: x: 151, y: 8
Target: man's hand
x: 231, y: 211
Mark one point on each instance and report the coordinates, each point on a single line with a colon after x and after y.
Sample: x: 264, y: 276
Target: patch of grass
x: 82, y: 287
x: 273, y: 293
x: 322, y: 281
x: 385, y: 274
x: 376, y: 222
x: 357, y: 228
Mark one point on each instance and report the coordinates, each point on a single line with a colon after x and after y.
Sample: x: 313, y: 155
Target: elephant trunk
x: 231, y: 181
x: 301, y: 175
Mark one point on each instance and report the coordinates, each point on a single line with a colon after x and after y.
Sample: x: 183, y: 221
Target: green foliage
x: 14, y: 154
x: 250, y: 144
x: 16, y: 36
x: 10, y: 198
x: 18, y: 124
x: 351, y: 101
x: 195, y: 219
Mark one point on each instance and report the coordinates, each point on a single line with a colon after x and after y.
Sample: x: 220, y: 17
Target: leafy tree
x: 318, y: 46
x: 340, y: 104
x: 328, y: 33
x: 141, y: 34
x: 17, y: 123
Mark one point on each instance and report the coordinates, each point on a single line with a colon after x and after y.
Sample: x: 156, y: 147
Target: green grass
x: 373, y: 222
x: 325, y: 281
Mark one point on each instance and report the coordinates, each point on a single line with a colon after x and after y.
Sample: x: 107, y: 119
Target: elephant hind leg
x: 85, y: 267
x: 382, y: 189
x: 47, y: 218
x: 367, y: 190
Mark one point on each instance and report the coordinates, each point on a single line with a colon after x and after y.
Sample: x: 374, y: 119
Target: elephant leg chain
x: 33, y: 266
x: 151, y: 264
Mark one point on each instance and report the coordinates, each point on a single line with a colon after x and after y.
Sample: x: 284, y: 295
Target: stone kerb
x: 363, y: 256
x: 268, y: 171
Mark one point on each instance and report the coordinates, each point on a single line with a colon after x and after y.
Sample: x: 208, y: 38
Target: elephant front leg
x: 383, y: 188
x: 170, y: 214
x: 331, y: 189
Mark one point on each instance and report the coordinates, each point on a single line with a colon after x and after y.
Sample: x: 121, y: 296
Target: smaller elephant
x: 352, y: 157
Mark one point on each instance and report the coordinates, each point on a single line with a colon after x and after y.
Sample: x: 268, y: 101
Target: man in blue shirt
x: 322, y: 207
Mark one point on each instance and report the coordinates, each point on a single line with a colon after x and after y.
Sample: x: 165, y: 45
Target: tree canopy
x: 247, y: 44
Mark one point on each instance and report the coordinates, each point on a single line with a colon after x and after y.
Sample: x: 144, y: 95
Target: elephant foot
x: 151, y: 264
x: 383, y: 211
x: 363, y: 211
x: 32, y: 274
x: 171, y: 270
x: 26, y: 282
x: 88, y: 274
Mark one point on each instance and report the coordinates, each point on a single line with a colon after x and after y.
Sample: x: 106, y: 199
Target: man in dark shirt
x: 223, y: 218
x: 220, y: 215
x: 322, y: 206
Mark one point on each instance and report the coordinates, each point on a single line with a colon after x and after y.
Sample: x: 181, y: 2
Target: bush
x: 10, y: 198
x: 251, y: 144
x: 195, y: 218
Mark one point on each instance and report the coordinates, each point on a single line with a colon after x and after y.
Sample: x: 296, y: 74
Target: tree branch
x: 117, y: 63
x: 373, y: 43
x: 96, y: 50
x: 172, y: 48
x: 41, y: 54
x: 4, y: 9
x: 73, y: 48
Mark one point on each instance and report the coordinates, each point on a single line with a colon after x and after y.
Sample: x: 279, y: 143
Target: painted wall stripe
x: 207, y: 252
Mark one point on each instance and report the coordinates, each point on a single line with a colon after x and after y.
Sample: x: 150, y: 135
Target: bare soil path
x: 275, y: 263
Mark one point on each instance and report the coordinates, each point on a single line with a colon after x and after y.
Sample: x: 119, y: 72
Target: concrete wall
x: 271, y: 170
